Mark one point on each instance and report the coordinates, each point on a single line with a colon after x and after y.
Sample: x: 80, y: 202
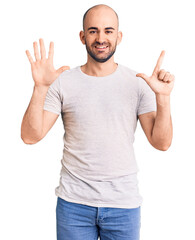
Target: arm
x: 158, y: 125
x: 36, y: 121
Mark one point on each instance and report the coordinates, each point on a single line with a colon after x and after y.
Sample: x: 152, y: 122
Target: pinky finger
x: 172, y: 78
x: 29, y: 56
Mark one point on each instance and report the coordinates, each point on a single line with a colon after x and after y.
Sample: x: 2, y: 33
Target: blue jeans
x: 82, y: 222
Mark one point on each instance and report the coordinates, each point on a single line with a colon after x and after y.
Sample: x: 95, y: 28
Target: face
x: 100, y: 51
x: 101, y: 34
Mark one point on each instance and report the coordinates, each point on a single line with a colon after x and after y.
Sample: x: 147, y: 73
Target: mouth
x: 101, y: 48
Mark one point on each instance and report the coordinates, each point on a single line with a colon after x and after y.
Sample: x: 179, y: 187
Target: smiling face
x: 100, y: 33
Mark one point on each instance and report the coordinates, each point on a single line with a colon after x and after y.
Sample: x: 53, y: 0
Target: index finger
x: 159, y: 63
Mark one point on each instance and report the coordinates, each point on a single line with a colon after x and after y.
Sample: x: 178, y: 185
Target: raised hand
x: 43, y: 71
x: 161, y: 82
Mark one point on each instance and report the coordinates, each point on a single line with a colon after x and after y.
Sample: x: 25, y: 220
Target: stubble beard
x: 94, y: 56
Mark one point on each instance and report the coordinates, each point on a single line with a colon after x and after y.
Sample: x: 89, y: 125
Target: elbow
x: 162, y: 147
x: 29, y: 138
x: 161, y: 144
x: 29, y: 141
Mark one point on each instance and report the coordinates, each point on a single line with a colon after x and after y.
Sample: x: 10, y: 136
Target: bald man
x: 100, y: 103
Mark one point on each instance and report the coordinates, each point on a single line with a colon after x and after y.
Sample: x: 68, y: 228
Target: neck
x: 97, y: 69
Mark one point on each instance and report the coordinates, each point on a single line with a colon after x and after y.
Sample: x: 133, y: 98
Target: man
x: 100, y: 103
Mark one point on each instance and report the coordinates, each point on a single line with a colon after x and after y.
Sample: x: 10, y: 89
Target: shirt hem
x: 98, y: 204
x: 147, y: 111
x: 51, y: 110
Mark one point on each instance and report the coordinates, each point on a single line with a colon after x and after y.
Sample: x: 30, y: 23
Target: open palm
x: 43, y: 71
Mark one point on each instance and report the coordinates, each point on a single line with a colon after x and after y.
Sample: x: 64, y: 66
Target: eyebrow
x: 97, y: 28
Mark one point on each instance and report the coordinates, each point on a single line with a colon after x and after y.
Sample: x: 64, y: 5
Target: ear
x: 82, y: 37
x: 119, y: 37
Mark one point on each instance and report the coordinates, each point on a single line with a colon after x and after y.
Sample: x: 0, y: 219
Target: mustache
x: 100, y: 44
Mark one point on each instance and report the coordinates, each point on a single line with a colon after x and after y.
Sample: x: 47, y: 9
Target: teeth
x: 101, y: 47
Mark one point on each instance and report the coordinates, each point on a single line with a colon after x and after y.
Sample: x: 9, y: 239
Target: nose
x: 100, y: 37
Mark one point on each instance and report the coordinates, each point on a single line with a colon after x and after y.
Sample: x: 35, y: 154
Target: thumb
x: 62, y: 69
x: 144, y: 76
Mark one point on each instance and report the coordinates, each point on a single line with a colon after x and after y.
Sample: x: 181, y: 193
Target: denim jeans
x: 82, y: 222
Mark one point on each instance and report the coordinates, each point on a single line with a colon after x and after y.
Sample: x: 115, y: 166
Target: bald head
x: 100, y: 7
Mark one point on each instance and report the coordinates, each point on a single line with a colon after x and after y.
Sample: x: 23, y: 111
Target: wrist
x: 162, y: 100
x: 41, y: 89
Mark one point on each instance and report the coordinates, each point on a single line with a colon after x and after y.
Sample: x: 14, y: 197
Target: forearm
x: 31, y: 128
x: 162, y: 132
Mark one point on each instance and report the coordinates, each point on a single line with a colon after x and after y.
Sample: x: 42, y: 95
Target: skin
x: 37, y: 122
x: 158, y: 125
x: 100, y: 18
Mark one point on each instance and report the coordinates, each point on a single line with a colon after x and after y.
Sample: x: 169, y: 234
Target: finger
x: 159, y: 63
x: 36, y: 52
x: 29, y: 57
x: 51, y: 51
x: 172, y: 78
x: 62, y: 69
x: 144, y: 76
x: 42, y: 49
x: 166, y: 77
x: 66, y: 68
x: 161, y: 74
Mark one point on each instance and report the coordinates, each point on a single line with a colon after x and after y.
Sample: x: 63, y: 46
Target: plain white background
x: 30, y: 173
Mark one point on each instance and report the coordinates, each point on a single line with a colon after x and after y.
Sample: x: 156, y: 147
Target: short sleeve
x: 53, y: 98
x: 147, y: 98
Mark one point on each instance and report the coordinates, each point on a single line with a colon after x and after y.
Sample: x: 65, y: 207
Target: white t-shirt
x: 100, y: 117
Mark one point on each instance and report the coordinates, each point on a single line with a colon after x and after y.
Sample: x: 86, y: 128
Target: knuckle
x: 167, y: 74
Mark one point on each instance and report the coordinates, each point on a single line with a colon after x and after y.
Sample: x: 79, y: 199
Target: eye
x: 108, y: 31
x: 91, y: 32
